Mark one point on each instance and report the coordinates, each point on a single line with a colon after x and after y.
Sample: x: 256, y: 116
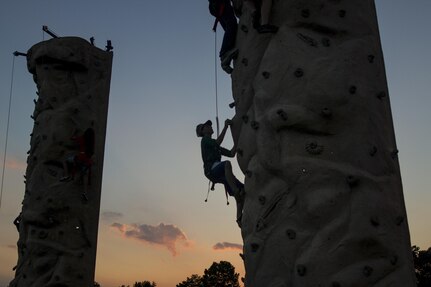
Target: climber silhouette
x: 223, y: 11
x: 218, y: 171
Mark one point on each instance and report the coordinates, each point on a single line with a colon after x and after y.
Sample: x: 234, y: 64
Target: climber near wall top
x: 223, y: 11
x: 219, y: 171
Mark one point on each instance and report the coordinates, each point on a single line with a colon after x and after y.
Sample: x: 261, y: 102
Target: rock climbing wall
x: 59, y: 219
x: 313, y: 126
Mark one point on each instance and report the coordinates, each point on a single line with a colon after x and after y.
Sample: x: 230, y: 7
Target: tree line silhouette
x: 223, y: 274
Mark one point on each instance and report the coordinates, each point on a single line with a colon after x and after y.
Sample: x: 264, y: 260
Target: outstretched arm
x: 220, y: 139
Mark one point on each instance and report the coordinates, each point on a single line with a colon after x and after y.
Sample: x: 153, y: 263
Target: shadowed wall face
x: 324, y: 203
x: 59, y: 219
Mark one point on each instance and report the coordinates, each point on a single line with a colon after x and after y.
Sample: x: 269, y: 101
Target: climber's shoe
x: 228, y: 69
x: 267, y: 28
x: 226, y: 58
x: 238, y: 221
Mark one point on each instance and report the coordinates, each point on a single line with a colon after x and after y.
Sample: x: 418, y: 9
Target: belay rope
x: 212, y: 184
x: 216, y: 81
x: 7, y: 128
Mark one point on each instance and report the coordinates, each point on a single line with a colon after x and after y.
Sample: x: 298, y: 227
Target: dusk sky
x: 162, y: 86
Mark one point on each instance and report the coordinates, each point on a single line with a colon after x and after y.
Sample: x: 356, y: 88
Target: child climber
x: 219, y: 171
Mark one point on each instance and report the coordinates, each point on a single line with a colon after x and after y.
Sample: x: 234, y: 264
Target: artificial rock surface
x: 58, y: 225
x: 313, y: 126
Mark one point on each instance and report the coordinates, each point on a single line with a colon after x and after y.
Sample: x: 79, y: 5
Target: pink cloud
x: 227, y: 246
x: 15, y: 164
x: 166, y: 235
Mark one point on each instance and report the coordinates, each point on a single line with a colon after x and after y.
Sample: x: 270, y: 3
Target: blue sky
x: 162, y: 86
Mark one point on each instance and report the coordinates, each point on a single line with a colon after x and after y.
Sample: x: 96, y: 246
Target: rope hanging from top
x: 216, y: 81
x: 7, y: 127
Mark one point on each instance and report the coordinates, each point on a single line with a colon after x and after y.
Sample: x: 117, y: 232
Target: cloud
x: 111, y: 215
x: 166, y: 235
x: 227, y: 246
x: 15, y: 164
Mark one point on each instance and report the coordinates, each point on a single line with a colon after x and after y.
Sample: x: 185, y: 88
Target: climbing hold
x: 310, y: 41
x: 314, y: 148
x: 282, y: 114
x: 367, y: 271
x: 291, y: 234
x: 262, y: 199
x: 42, y: 234
x: 266, y: 74
x: 381, y: 95
x: 352, y: 180
x: 242, y: 256
x: 326, y: 113
x: 336, y: 284
x: 299, y: 73
x: 373, y: 151
x: 352, y: 90
x: 254, y: 247
x: 394, y: 154
x: 301, y: 269
x: 239, y: 151
x: 248, y: 173
x: 394, y: 260
x: 371, y: 58
x: 399, y: 220
x: 326, y: 42
x: 342, y: 13
x: 305, y: 13
x: 260, y: 225
x: 375, y: 221
x: 254, y: 125
x: 232, y: 105
x: 244, y: 28
x: 244, y: 61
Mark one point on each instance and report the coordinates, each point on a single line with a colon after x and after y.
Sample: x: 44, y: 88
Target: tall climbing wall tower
x: 313, y: 126
x: 59, y: 219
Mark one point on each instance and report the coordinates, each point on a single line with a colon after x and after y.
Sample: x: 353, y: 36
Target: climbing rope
x: 7, y: 128
x: 216, y: 81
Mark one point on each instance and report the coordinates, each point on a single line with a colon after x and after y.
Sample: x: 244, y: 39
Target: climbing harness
x: 15, y: 54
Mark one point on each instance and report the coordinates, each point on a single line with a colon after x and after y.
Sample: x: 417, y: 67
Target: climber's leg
x: 228, y: 52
